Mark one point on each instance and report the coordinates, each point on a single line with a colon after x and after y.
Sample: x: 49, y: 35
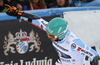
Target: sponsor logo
x: 21, y: 41
x: 60, y: 47
x: 84, y: 51
x: 66, y: 60
x: 79, y: 49
x: 44, y: 61
x: 73, y: 46
x: 82, y: 54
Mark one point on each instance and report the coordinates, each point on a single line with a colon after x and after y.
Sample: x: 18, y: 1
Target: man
x: 71, y: 50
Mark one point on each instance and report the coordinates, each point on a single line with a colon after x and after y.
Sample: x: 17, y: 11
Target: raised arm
x: 13, y: 11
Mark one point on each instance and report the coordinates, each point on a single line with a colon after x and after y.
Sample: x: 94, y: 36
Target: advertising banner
x: 22, y: 43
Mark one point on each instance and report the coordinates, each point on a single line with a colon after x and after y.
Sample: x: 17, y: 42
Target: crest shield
x: 22, y: 41
x: 22, y: 46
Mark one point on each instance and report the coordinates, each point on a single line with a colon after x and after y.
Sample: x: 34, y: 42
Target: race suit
x: 71, y: 50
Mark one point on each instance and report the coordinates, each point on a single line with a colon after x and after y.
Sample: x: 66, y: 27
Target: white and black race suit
x: 71, y: 50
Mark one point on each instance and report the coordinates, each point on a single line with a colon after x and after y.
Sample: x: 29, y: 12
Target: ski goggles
x: 53, y: 36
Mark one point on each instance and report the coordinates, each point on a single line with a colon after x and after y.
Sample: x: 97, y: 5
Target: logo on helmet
x: 73, y: 46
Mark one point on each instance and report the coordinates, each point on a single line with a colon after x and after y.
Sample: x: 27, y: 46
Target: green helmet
x: 58, y: 27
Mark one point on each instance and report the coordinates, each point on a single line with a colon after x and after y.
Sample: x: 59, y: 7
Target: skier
x: 71, y: 50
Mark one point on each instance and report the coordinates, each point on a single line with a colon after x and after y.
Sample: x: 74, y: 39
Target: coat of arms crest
x: 22, y: 41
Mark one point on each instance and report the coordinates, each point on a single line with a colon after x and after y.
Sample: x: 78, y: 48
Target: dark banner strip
x: 22, y: 43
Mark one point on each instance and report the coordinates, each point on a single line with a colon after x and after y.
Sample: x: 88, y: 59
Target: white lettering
x: 11, y: 63
x: 21, y: 62
x: 16, y: 64
x: 34, y: 60
x: 50, y: 62
x: 1, y: 63
x: 6, y: 64
x: 28, y: 63
x: 44, y: 61
x: 39, y: 62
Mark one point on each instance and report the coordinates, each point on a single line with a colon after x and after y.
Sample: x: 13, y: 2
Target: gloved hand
x: 13, y: 11
x: 95, y: 61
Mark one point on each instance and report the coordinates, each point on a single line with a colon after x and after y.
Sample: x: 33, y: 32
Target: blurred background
x: 46, y: 4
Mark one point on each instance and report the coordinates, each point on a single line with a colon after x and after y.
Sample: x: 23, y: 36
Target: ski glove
x: 13, y: 11
x: 95, y: 61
